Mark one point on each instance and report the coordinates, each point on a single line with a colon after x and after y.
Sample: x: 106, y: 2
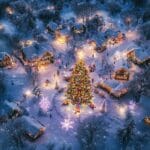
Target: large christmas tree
x: 79, y: 90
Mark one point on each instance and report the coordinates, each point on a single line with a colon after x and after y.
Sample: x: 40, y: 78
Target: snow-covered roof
x: 30, y: 125
x: 142, y: 54
x: 122, y: 63
x: 114, y: 84
x: 78, y: 28
x: 119, y: 86
x: 3, y: 54
x: 64, y: 32
x: 111, y: 83
x: 52, y: 26
x: 31, y: 52
x: 110, y: 33
x: 7, y: 108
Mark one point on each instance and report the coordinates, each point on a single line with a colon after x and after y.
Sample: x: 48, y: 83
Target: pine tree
x: 126, y: 135
x: 79, y: 90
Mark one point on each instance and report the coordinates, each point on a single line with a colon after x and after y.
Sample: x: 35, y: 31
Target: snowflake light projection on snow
x: 44, y: 104
x: 67, y: 124
x: 132, y: 105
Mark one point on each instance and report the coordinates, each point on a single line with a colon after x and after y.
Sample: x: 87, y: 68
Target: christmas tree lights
x: 79, y: 90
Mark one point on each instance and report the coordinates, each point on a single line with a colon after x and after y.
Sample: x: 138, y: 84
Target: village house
x: 52, y: 27
x: 7, y: 61
x: 147, y: 120
x: 9, y: 110
x: 121, y: 74
x: 44, y: 60
x: 78, y: 29
x: 99, y: 48
x: 31, y: 127
x: 139, y: 56
x: 116, y: 39
x: 113, y: 87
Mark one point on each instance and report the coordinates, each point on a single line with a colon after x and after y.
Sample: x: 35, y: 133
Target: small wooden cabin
x: 121, y: 74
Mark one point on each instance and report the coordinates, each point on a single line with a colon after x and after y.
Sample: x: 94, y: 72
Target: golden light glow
x: 78, y: 114
x: 62, y: 39
x: 29, y: 42
x: 80, y: 54
x: 60, y: 42
x: 28, y: 93
x: 87, y: 50
x: 122, y: 110
x: 42, y: 68
x: 79, y: 20
x: 9, y: 10
x: 92, y: 45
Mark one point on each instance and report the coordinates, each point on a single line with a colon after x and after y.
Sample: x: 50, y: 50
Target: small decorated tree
x: 79, y: 90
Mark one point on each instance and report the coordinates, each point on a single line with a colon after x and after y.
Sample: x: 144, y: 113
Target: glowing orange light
x: 122, y: 110
x: 9, y: 10
x: 28, y: 93
x: 62, y: 39
x: 80, y: 54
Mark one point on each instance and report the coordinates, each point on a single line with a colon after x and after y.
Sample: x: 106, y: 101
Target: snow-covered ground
x: 60, y: 121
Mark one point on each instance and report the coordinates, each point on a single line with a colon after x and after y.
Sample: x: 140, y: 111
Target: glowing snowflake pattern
x: 132, y: 105
x: 67, y: 124
x: 44, y: 104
